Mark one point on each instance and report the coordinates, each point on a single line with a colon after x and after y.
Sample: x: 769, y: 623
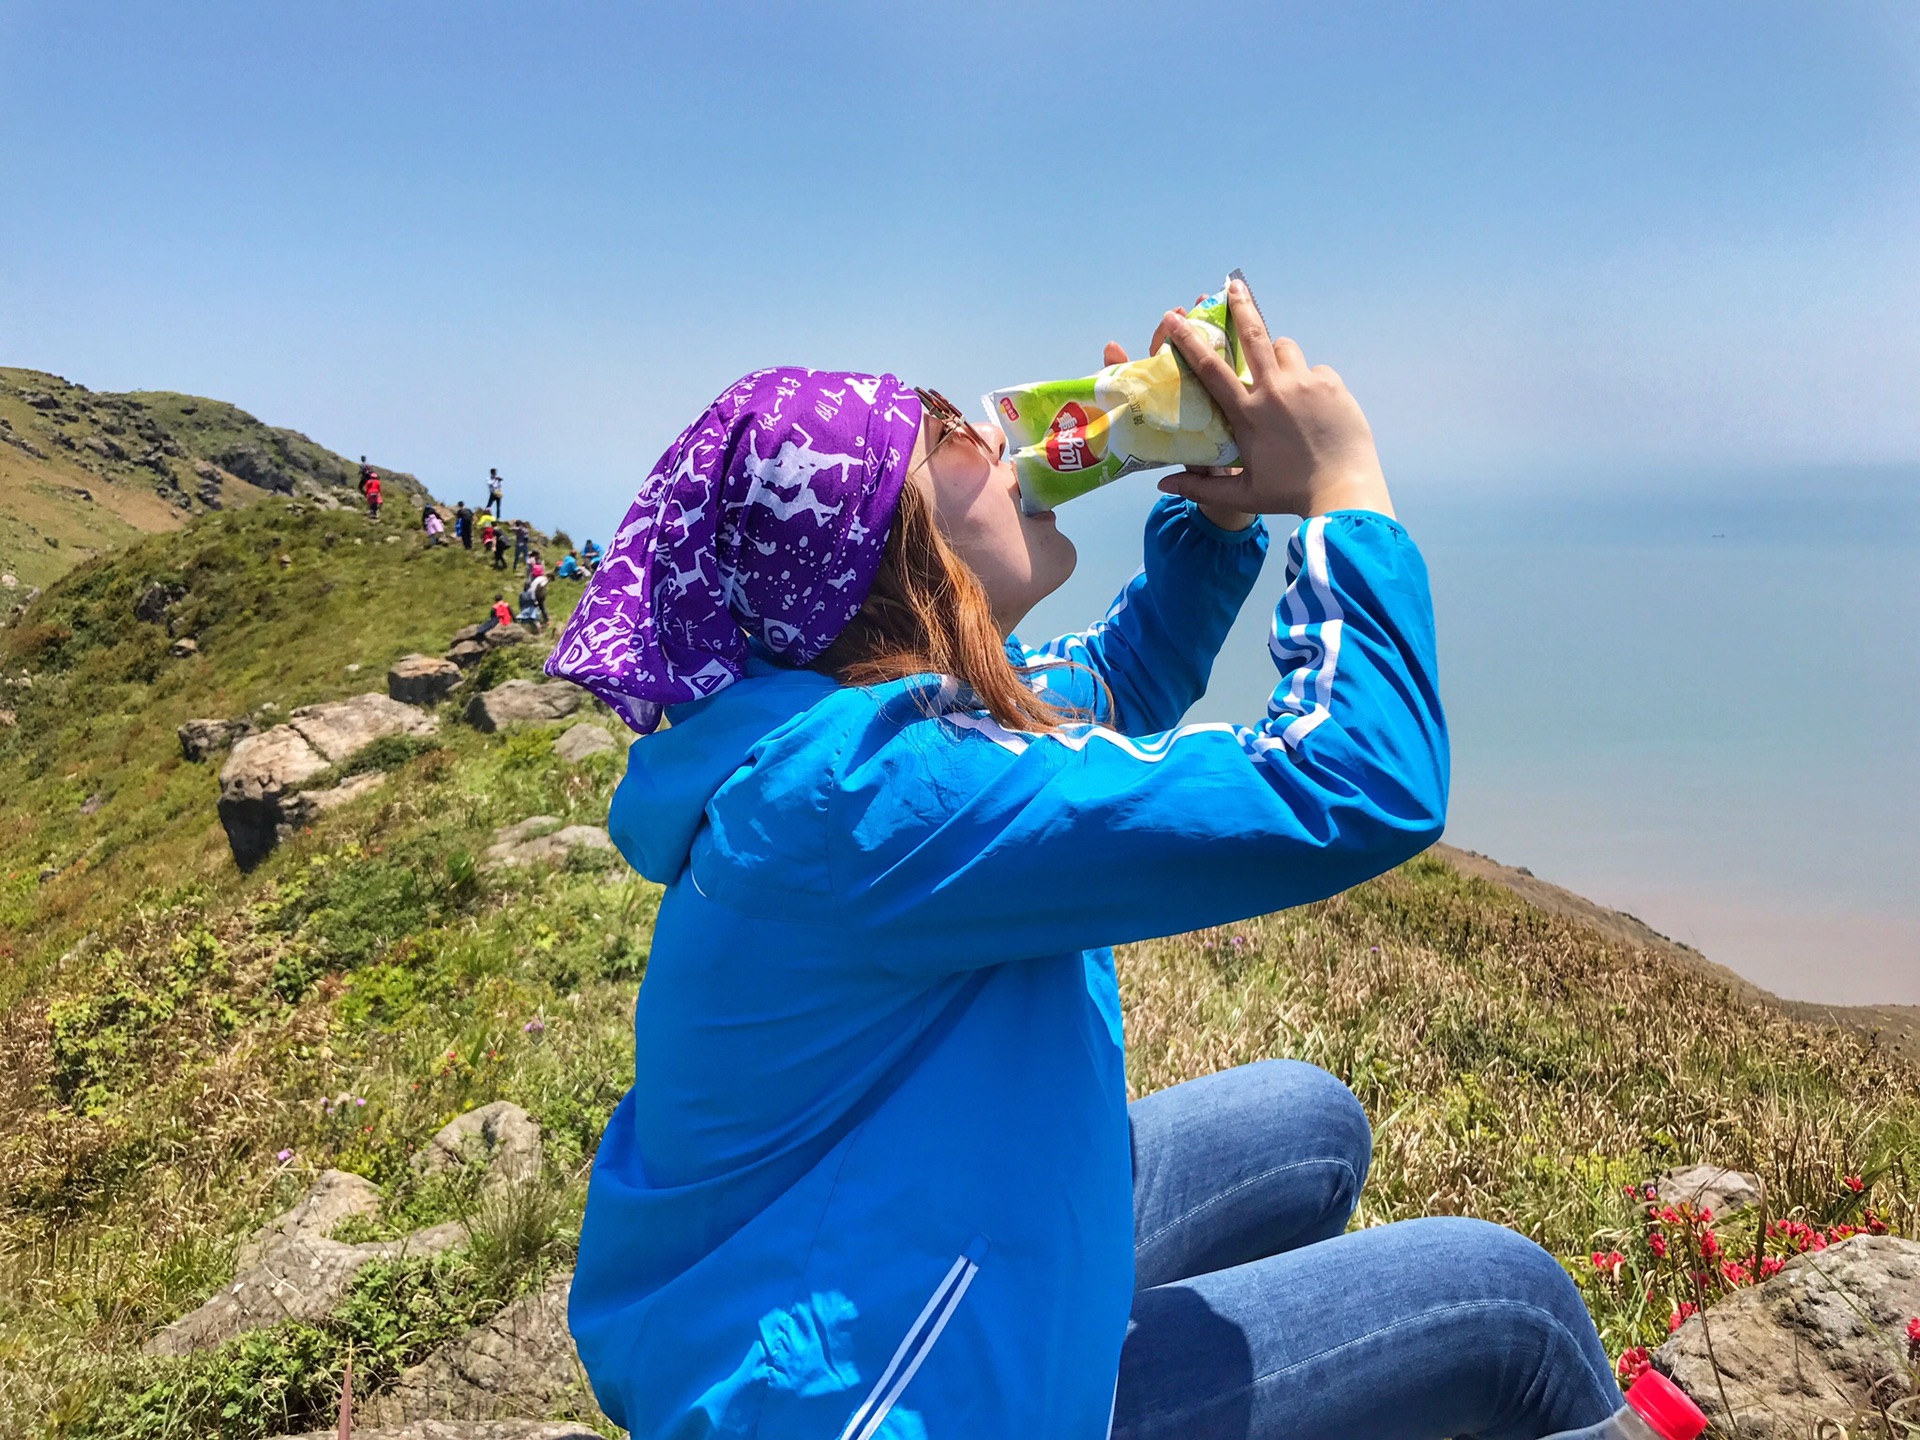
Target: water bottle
x: 1656, y: 1409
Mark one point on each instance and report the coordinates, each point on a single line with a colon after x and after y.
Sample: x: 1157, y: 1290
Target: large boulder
x: 500, y: 1136
x: 542, y: 840
x: 465, y: 652
x: 341, y: 729
x: 201, y: 738
x: 520, y: 1362
x: 262, y: 776
x: 1709, y: 1187
x: 1825, y: 1339
x: 422, y: 679
x: 523, y: 702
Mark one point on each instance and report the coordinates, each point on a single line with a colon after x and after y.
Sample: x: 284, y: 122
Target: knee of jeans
x: 1520, y: 1270
x: 1305, y: 1093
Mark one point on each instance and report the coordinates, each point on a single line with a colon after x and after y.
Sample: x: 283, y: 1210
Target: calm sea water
x: 1706, y: 713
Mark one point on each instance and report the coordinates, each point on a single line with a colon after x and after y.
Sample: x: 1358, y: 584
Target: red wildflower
x: 1771, y: 1266
x: 1913, y: 1339
x: 1608, y: 1262
x: 1855, y: 1184
x: 1687, y: 1307
x: 1709, y: 1244
x: 1635, y: 1362
x: 1657, y: 1244
x: 1734, y: 1273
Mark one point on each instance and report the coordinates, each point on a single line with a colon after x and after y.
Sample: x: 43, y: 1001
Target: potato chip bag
x: 1068, y: 437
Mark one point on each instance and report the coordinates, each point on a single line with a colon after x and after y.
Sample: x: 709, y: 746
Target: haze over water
x: 1705, y: 712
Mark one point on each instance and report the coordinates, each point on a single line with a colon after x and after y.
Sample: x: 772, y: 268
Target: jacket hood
x: 673, y: 773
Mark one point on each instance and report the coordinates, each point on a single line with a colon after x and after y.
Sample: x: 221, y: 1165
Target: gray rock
x: 521, y: 1362
x: 40, y: 399
x: 104, y: 448
x: 523, y: 702
x: 201, y: 738
x: 501, y: 636
x: 464, y: 652
x: 341, y: 729
x: 466, y: 1430
x: 542, y: 840
x: 1709, y: 1187
x: 184, y: 648
x: 421, y: 679
x: 298, y: 1278
x: 91, y: 805
x: 335, y: 1196
x: 500, y: 1136
x: 466, y: 632
x: 583, y: 740
x: 1825, y: 1339
x: 258, y: 784
x: 304, y: 807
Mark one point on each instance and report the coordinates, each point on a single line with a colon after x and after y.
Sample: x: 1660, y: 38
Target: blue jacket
x: 873, y: 1179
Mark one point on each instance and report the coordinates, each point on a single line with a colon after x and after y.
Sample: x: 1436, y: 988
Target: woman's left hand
x: 1115, y: 354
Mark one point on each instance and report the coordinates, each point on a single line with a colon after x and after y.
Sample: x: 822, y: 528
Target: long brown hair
x: 927, y: 613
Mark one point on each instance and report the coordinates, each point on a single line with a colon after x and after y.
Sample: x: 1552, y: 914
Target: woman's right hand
x: 1305, y: 447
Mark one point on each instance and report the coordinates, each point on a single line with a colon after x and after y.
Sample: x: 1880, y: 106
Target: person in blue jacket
x: 877, y: 1177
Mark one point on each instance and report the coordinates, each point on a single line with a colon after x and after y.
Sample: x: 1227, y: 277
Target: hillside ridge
x: 82, y: 471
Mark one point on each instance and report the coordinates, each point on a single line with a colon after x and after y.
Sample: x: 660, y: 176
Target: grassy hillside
x: 81, y: 472
x: 172, y: 1032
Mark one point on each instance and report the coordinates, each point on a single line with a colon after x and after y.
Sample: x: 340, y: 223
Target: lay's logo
x: 1070, y: 444
x: 1008, y: 408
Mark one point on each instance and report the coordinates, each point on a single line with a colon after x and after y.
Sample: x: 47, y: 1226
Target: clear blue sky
x: 1547, y: 244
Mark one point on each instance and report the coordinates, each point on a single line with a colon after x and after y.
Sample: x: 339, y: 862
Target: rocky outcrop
x: 156, y: 600
x: 1825, y: 1339
x: 421, y: 679
x: 522, y: 1362
x: 523, y: 702
x: 201, y: 738
x: 542, y: 840
x: 582, y: 740
x: 1709, y: 1187
x: 337, y: 1195
x: 501, y: 1136
x: 292, y: 1270
x: 263, y: 774
x: 299, y: 1278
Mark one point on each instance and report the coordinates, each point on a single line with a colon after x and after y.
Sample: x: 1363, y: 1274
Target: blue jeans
x: 1257, y: 1317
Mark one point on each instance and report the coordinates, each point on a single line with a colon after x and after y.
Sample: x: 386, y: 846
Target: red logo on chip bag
x: 1069, y: 447
x: 1008, y: 409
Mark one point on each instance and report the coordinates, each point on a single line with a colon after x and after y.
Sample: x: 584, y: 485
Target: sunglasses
x: 951, y: 420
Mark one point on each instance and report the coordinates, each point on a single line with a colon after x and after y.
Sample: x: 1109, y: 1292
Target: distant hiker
x: 590, y: 556
x: 522, y: 543
x: 533, y: 602
x: 569, y: 567
x: 499, y: 547
x: 493, y: 491
x: 370, y: 487
x: 502, y: 615
x: 486, y: 533
x: 463, y: 524
x: 435, y: 527
x: 536, y: 567
x: 366, y: 473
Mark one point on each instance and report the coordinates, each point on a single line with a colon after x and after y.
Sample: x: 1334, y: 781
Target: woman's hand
x: 1225, y: 516
x: 1305, y: 447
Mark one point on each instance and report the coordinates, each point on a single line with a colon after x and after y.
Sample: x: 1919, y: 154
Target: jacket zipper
x: 917, y: 1345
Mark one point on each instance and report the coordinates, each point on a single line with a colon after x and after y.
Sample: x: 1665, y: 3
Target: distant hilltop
x: 83, y: 471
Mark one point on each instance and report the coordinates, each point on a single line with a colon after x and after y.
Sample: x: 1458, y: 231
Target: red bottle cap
x: 1665, y: 1406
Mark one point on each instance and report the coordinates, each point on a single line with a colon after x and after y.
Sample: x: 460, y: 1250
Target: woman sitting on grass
x: 877, y: 1175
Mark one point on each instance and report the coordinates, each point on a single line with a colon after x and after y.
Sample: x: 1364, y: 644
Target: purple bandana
x: 769, y: 515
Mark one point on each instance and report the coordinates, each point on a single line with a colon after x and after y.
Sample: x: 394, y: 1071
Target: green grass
x: 168, y: 1026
